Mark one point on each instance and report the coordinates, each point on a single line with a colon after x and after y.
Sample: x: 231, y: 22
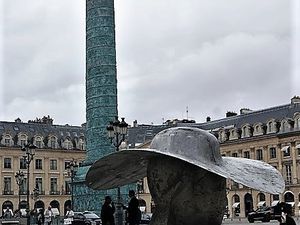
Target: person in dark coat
x: 286, y: 214
x: 107, y: 212
x: 133, y: 211
x: 41, y: 217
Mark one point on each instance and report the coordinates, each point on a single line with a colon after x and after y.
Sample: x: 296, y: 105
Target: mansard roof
x: 260, y: 116
x: 33, y: 129
x: 141, y: 133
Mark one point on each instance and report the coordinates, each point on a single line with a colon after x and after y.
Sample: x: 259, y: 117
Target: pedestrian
x: 133, y: 211
x: 48, y: 216
x: 8, y: 213
x: 69, y: 216
x: 107, y: 212
x: 41, y: 217
x: 286, y: 214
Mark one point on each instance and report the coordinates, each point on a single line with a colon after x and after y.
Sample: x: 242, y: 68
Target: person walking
x: 133, y: 211
x: 8, y: 213
x: 48, y: 216
x: 286, y: 214
x: 69, y: 216
x: 107, y: 212
x: 41, y: 217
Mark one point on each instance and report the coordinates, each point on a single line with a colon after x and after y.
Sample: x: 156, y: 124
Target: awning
x: 298, y: 146
x: 262, y: 203
x: 291, y: 203
x: 236, y: 205
x: 285, y: 148
x: 274, y: 203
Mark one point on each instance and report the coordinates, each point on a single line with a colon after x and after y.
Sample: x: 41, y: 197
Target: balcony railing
x: 7, y: 192
x: 54, y: 192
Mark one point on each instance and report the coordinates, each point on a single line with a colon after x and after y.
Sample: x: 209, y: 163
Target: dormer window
x: 38, y: 142
x: 52, y: 142
x: 271, y: 127
x: 233, y: 134
x: 222, y: 135
x: 68, y: 144
x: 22, y: 139
x: 246, y: 131
x: 258, y: 129
x: 297, y: 120
x: 81, y: 144
x: 7, y: 140
x: 285, y: 126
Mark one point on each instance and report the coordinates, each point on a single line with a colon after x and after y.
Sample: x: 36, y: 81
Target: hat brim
x: 128, y: 166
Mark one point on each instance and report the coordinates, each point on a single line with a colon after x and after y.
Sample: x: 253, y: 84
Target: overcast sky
x: 210, y: 56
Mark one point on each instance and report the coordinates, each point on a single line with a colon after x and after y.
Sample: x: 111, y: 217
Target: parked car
x: 86, y: 218
x: 265, y: 214
x: 93, y: 217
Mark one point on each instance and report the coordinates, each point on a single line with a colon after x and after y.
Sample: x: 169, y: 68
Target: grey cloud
x: 212, y: 56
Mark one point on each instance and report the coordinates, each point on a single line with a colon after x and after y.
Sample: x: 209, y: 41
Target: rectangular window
x: 7, y: 163
x: 23, y: 164
x: 38, y: 164
x: 53, y: 185
x: 272, y: 153
x: 7, y: 142
x: 39, y: 183
x: 259, y: 154
x: 7, y: 186
x: 67, y: 164
x: 247, y: 155
x: 288, y: 172
x: 287, y: 151
x: 68, y: 187
x: 23, y: 187
x: 53, y: 164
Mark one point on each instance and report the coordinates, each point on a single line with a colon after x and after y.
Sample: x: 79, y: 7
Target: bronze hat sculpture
x: 186, y: 175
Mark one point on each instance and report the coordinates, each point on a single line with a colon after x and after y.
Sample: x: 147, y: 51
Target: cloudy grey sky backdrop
x: 212, y: 56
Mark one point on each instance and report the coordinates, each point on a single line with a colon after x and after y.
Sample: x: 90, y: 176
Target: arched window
x: 271, y: 126
x: 22, y: 139
x: 52, y: 142
x: 68, y: 144
x: 81, y: 145
x: 7, y: 140
x: 38, y: 141
x: 246, y: 131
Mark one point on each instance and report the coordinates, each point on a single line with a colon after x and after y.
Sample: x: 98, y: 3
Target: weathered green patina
x: 101, y: 98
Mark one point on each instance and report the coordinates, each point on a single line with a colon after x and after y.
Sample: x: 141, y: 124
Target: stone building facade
x: 57, y: 145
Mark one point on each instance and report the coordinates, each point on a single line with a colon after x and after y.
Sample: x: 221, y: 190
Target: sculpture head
x: 185, y: 194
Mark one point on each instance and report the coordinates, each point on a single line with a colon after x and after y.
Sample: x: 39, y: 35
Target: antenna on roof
x: 187, y: 112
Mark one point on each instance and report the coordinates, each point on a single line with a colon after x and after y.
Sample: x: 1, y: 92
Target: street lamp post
x: 20, y: 180
x: 29, y: 150
x: 35, y: 194
x: 117, y: 131
x: 72, y: 170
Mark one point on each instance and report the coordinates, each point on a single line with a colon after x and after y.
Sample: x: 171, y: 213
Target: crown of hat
x: 191, y: 144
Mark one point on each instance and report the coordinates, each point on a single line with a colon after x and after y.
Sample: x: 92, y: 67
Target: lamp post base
x: 119, y: 214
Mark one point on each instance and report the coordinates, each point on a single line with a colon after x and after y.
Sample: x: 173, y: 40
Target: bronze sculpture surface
x: 186, y: 175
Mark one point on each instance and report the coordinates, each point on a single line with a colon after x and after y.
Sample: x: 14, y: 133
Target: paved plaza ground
x: 236, y: 221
